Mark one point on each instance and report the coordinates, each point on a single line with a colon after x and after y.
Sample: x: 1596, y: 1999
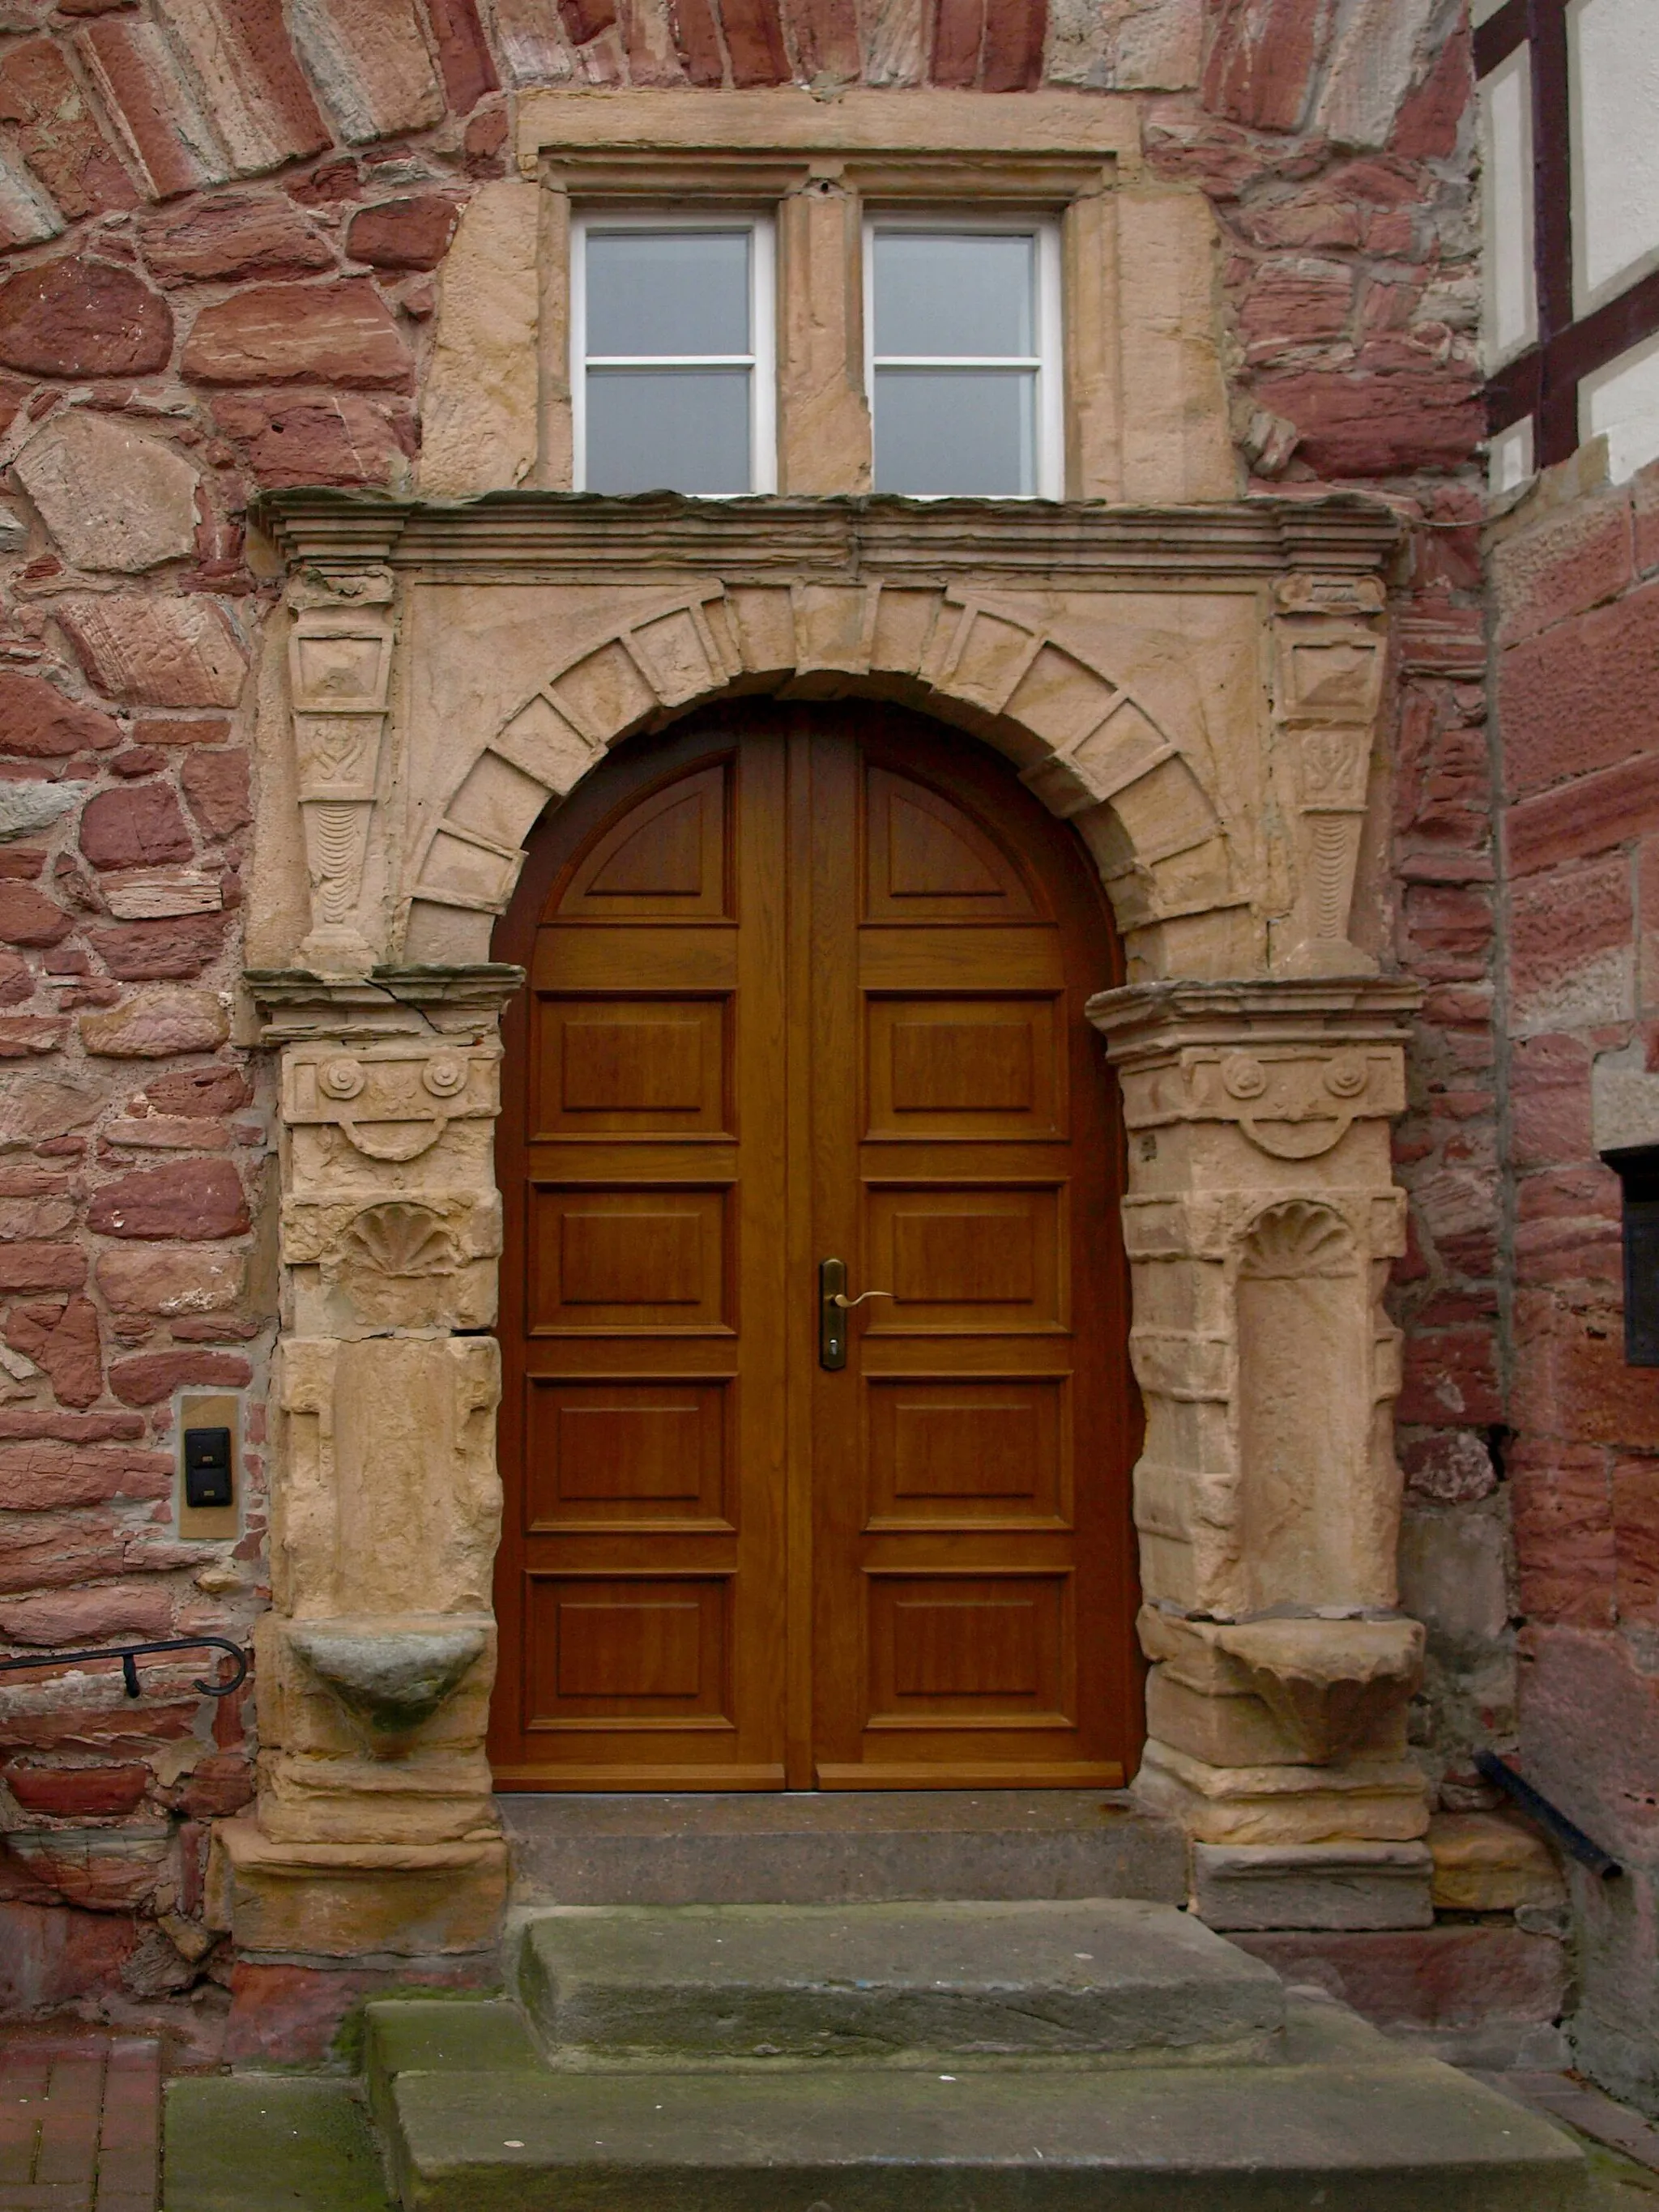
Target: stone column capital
x: 1292, y: 1063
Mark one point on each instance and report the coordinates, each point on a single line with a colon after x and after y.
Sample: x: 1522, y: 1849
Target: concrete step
x: 695, y: 1983
x: 1342, y: 2120
x: 839, y: 1847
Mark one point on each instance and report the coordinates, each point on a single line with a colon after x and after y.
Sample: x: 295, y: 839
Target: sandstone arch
x: 1082, y: 742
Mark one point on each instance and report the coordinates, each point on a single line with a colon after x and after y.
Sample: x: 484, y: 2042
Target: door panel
x: 805, y: 982
x: 961, y: 1533
x: 641, y: 1149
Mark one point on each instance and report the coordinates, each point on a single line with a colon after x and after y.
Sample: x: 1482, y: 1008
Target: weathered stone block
x: 334, y: 438
x: 343, y: 1901
x: 137, y: 827
x: 76, y: 316
x: 1437, y: 1977
x: 112, y: 496
x: 182, y: 1279
x: 1492, y: 1863
x: 36, y: 1107
x: 29, y: 917
x: 154, y: 1376
x: 198, y: 1198
x: 290, y: 334
x: 232, y: 238
x: 154, y: 951
x: 1343, y: 1885
x: 156, y: 652
x: 1380, y: 1801
x: 478, y: 412
x: 402, y: 234
x: 156, y: 1025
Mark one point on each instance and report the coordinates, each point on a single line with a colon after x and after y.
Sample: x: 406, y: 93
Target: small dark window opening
x: 1637, y: 1170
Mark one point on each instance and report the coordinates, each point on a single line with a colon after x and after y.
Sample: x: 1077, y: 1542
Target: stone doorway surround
x: 1195, y: 679
x: 1200, y: 691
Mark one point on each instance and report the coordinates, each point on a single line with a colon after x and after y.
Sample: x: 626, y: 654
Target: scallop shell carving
x: 1299, y: 1239
x: 400, y: 1239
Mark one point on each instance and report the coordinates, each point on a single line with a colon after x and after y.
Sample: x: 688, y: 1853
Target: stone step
x: 839, y: 1846
x: 691, y: 1983
x: 1342, y: 2120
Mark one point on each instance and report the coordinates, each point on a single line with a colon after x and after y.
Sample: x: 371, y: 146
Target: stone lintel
x: 561, y: 533
x: 860, y: 120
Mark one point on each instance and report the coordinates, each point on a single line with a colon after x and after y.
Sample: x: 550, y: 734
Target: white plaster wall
x: 1614, y: 61
x: 1511, y: 321
x: 1621, y: 403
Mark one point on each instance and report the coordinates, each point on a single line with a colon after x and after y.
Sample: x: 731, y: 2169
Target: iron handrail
x: 1570, y: 1837
x: 129, y: 1654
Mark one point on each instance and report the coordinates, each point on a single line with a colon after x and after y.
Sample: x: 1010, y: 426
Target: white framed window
x: 673, y: 369
x: 961, y: 324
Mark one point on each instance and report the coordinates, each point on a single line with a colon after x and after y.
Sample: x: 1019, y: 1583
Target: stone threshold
x: 835, y: 1846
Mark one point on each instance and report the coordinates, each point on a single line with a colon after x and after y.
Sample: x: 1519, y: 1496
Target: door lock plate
x: 832, y: 1314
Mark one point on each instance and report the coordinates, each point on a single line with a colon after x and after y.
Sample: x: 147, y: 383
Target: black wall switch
x: 207, y: 1467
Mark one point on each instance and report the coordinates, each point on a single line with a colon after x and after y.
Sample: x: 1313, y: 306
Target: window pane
x: 668, y: 291
x: 937, y: 294
x: 967, y: 431
x: 668, y: 429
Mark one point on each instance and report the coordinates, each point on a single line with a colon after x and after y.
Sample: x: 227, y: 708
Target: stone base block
x: 356, y: 1900
x: 1363, y: 1801
x: 1478, y: 1996
x: 1490, y: 1863
x: 432, y: 1798
x: 1313, y: 1886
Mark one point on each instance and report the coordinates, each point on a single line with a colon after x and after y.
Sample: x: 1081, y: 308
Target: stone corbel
x: 1329, y: 1684
x: 1329, y: 651
x: 340, y: 672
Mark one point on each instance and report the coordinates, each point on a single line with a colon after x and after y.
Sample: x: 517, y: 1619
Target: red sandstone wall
x: 1576, y: 581
x: 221, y: 216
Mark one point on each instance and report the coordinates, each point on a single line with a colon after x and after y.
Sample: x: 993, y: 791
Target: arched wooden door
x: 807, y: 983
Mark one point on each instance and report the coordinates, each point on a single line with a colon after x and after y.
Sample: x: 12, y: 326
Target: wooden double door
x: 806, y: 984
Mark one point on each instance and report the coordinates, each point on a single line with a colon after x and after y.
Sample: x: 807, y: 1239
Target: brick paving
x: 79, y: 2124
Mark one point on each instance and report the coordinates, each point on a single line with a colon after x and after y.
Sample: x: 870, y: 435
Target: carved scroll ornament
x: 391, y: 1103
x: 1291, y: 1104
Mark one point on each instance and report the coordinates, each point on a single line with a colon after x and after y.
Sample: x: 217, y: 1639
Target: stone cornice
x: 561, y: 535
x: 296, y: 1003
x: 1146, y: 1019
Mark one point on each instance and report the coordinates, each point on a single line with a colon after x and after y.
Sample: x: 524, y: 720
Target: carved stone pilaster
x: 376, y: 1828
x: 340, y: 674
x: 1261, y: 1220
x: 1329, y: 649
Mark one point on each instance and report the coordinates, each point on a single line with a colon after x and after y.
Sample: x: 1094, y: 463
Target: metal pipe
x: 128, y: 1653
x: 1572, y: 1838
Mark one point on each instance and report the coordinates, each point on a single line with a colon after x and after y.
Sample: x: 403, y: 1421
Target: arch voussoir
x: 1083, y: 744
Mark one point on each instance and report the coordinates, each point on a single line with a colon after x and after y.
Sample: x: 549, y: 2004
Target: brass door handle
x: 833, y: 1302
